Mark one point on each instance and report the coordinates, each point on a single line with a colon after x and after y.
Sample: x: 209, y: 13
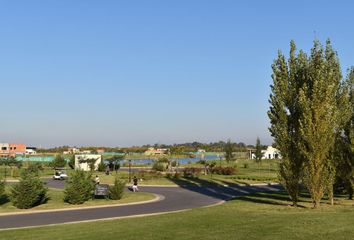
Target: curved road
x: 175, y: 199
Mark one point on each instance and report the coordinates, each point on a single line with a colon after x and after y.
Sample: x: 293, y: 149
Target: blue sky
x: 121, y: 73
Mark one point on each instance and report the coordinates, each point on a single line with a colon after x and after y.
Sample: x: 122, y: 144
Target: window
x: 3, y: 148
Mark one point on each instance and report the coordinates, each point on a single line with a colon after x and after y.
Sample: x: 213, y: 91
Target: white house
x: 30, y: 151
x: 82, y: 163
x: 270, y: 153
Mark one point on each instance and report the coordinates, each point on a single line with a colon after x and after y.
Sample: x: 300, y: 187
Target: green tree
x: 79, y: 188
x: 29, y: 192
x: 113, y: 162
x: 288, y: 78
x: 258, y: 154
x: 319, y: 119
x: 58, y: 162
x: 344, y: 145
x: 116, y: 191
x: 34, y: 168
x: 71, y: 162
x: 229, y: 151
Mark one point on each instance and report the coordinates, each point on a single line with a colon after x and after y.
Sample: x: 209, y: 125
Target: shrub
x: 192, y: 172
x: 101, y: 167
x: 59, y: 161
x: 29, y: 192
x: 224, y: 170
x: 71, y: 162
x: 79, y: 188
x: 34, y: 168
x: 173, y: 175
x: 116, y: 191
x: 169, y: 175
x: 163, y: 160
x: 159, y: 166
x: 15, y: 172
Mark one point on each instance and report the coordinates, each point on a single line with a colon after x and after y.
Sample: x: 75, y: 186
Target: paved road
x: 175, y: 198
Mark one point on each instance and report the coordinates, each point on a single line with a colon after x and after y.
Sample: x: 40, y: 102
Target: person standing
x: 135, y: 184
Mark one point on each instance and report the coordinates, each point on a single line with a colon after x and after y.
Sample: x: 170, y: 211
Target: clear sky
x: 121, y: 73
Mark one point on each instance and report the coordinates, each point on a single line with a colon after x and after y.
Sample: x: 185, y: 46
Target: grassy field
x: 56, y: 201
x: 248, y: 172
x: 260, y: 216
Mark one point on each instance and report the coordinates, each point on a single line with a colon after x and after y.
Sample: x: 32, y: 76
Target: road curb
x: 156, y: 199
x: 115, y: 218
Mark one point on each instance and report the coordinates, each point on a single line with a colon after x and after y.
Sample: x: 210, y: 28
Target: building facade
x: 11, y: 149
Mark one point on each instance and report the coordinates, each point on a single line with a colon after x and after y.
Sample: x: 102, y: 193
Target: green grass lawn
x: 248, y: 172
x: 260, y: 216
x: 56, y: 201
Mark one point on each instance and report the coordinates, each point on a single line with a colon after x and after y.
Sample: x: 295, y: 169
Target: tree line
x: 178, y: 148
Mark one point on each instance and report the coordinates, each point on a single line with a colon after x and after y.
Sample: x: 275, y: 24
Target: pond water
x: 181, y: 161
x: 134, y: 161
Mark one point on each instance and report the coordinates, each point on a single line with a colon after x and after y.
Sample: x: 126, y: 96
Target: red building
x: 11, y: 149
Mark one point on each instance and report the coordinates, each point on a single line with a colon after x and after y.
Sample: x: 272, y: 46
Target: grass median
x: 55, y: 201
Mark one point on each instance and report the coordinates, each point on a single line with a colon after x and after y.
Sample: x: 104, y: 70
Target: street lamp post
x: 130, y: 170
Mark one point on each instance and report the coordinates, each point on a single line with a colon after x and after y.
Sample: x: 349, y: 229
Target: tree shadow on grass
x: 226, y: 191
x: 280, y: 198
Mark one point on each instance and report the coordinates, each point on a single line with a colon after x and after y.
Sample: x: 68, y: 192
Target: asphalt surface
x: 175, y: 198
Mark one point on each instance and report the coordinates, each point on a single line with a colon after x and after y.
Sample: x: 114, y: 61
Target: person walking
x: 135, y: 184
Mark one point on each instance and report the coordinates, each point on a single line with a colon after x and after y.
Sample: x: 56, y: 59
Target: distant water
x: 181, y: 161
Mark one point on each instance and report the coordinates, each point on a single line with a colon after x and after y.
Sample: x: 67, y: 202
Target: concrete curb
x: 156, y: 199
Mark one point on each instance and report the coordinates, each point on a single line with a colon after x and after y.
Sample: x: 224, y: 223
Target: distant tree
x: 71, y: 162
x: 58, y: 162
x: 34, y: 168
x: 229, y: 151
x: 258, y: 154
x: 113, y: 162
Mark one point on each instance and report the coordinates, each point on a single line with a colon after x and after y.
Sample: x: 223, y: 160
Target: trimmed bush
x: 116, y: 191
x: 29, y: 192
x: 192, y: 172
x: 79, y: 188
x: 159, y: 166
x: 224, y: 170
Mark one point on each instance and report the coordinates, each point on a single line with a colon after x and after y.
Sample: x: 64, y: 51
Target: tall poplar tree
x: 319, y: 118
x: 288, y: 78
x: 344, y: 146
